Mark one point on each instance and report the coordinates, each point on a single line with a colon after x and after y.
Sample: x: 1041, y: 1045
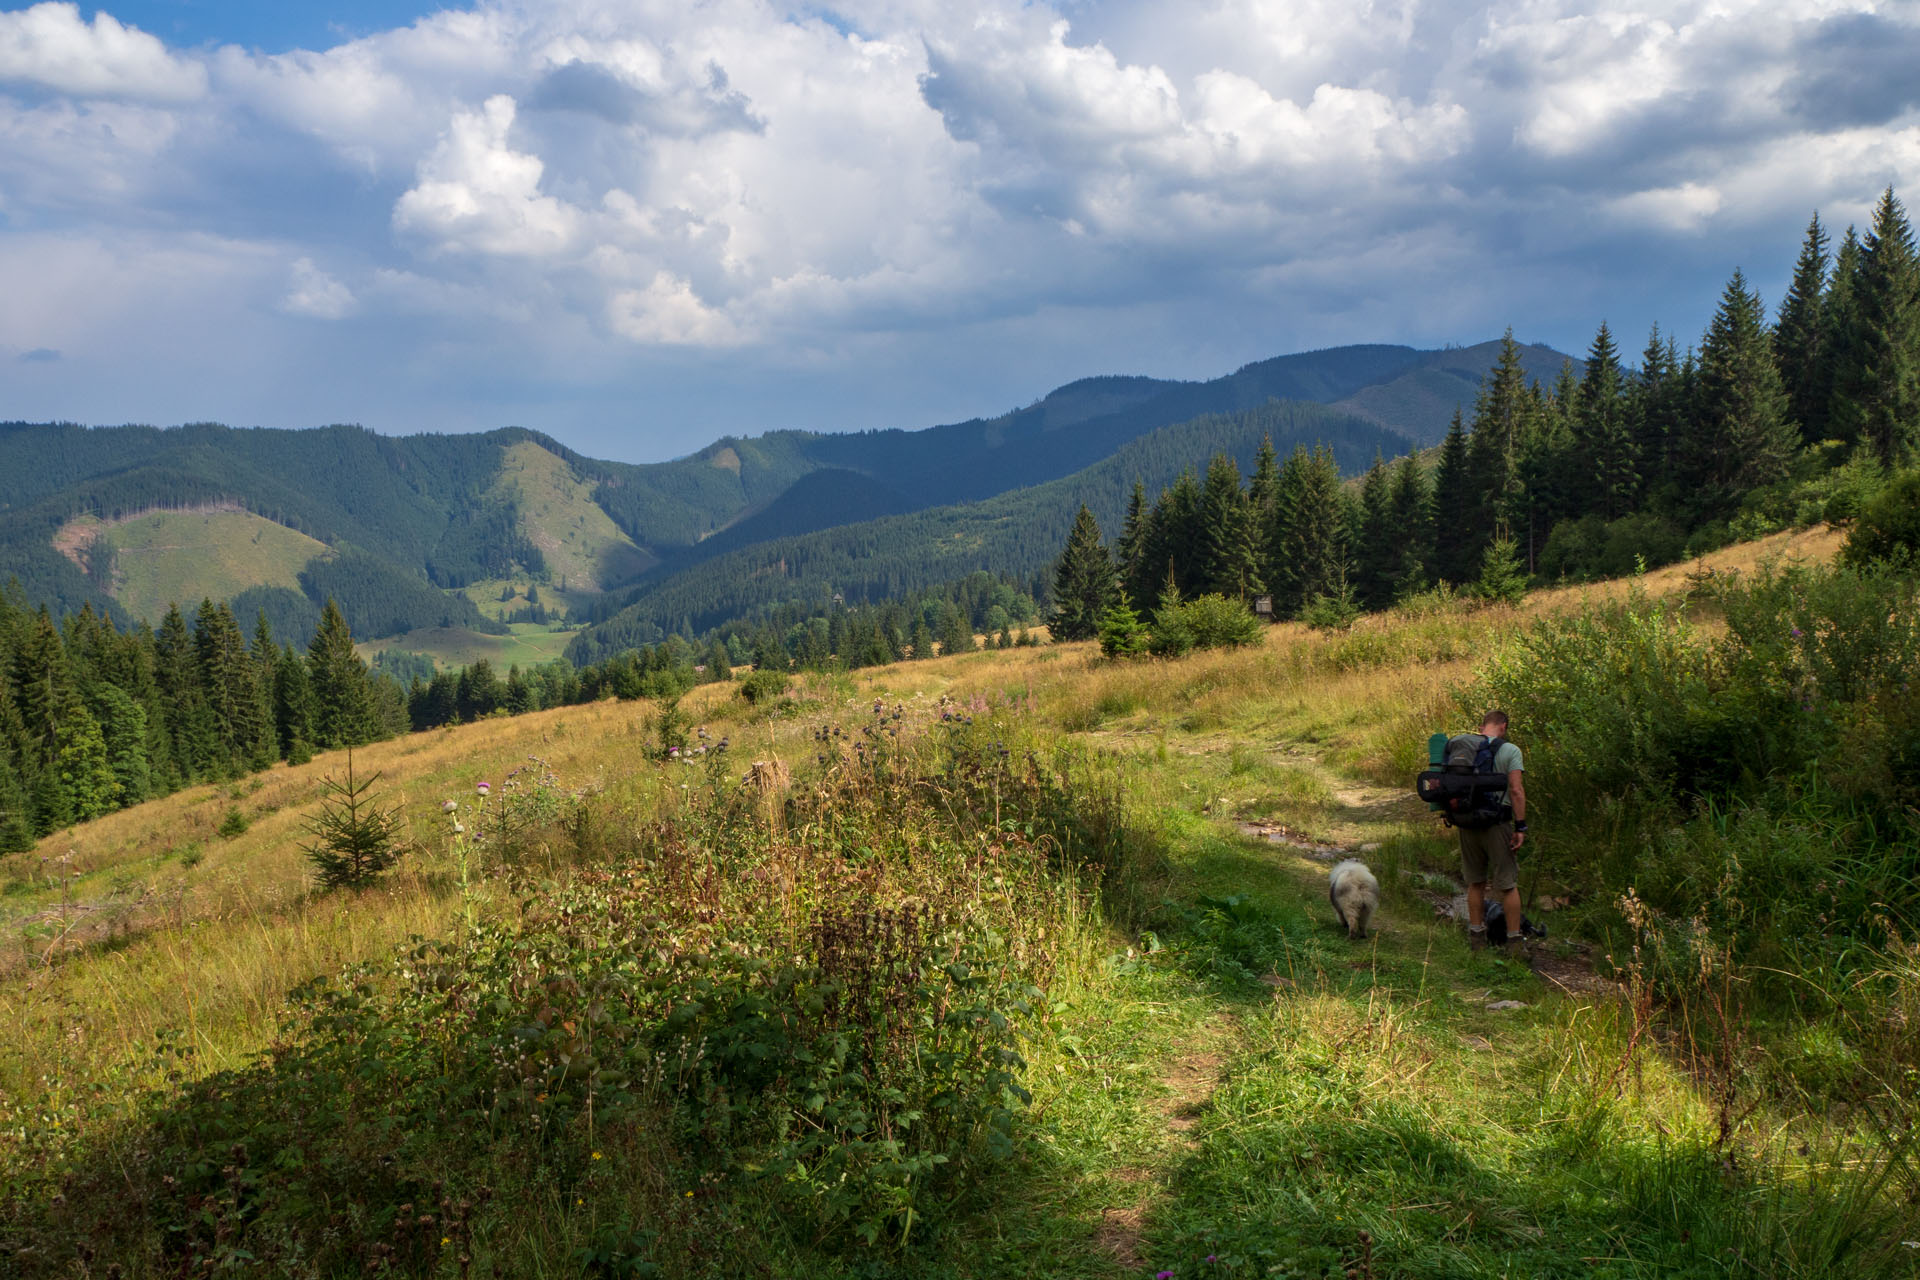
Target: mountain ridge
x: 429, y: 516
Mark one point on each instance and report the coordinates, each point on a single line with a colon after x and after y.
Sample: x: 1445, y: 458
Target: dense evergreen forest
x: 95, y: 718
x: 1603, y: 471
x: 1015, y: 533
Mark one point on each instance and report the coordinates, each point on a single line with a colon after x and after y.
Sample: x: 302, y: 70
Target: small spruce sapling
x: 355, y: 837
x: 1122, y: 634
x: 1502, y: 580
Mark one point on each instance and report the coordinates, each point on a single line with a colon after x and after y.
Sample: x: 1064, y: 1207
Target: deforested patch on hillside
x: 163, y: 556
x: 582, y: 545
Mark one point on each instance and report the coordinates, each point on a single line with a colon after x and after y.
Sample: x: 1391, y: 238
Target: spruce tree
x: 1082, y: 582
x: 341, y: 710
x: 1377, y: 561
x: 355, y: 837
x: 1178, y: 525
x: 1460, y: 518
x: 920, y: 641
x: 123, y: 724
x: 1411, y: 512
x: 1228, y: 564
x: 293, y: 702
x: 1314, y: 533
x: 1608, y: 461
x: 16, y: 809
x: 1133, y: 532
x: 1278, y: 570
x: 1653, y: 413
x: 1839, y: 319
x: 1741, y: 437
x: 1800, y: 347
x: 1878, y: 400
x: 1502, y: 422
x: 1501, y: 579
x: 956, y: 632
x: 86, y: 773
x: 1122, y: 634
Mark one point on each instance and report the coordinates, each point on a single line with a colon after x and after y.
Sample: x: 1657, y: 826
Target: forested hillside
x: 1016, y: 533
x: 413, y: 532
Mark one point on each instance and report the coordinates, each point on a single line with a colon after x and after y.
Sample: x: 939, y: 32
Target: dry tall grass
x: 111, y: 935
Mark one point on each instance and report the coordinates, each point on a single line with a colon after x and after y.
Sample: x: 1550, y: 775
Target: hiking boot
x: 1476, y: 939
x: 1517, y: 950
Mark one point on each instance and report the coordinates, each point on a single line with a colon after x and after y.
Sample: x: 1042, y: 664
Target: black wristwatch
x: 1520, y: 828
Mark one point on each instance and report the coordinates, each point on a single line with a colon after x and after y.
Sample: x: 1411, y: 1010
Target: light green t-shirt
x: 1507, y: 759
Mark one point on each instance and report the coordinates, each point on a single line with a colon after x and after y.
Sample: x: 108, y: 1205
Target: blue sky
x: 272, y: 26
x: 641, y: 224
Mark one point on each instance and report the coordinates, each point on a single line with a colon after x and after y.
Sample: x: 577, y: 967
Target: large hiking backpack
x: 1464, y: 786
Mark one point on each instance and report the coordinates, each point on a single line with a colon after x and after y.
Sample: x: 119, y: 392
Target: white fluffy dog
x: 1355, y: 895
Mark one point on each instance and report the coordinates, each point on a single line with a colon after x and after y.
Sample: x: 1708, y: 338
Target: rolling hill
x: 413, y: 533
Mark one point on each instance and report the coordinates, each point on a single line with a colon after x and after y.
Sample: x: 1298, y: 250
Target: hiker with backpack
x: 1478, y: 788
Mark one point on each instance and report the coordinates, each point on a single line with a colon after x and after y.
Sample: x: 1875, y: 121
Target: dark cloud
x: 591, y: 89
x: 1860, y: 69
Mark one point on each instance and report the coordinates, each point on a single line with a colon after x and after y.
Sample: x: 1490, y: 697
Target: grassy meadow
x: 165, y: 557
x: 529, y: 645
x: 1013, y: 963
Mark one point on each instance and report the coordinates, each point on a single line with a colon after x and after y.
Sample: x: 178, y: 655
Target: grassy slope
x: 528, y: 646
x: 168, y: 557
x: 1245, y: 1100
x: 558, y: 514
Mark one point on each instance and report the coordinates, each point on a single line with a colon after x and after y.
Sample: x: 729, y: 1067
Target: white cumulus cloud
x: 589, y: 193
x: 315, y: 293
x: 52, y: 47
x: 477, y: 193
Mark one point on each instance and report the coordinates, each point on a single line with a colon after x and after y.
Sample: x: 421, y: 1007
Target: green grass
x: 168, y: 557
x: 528, y: 646
x: 580, y: 542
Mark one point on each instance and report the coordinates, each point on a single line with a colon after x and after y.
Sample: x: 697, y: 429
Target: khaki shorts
x: 1486, y: 859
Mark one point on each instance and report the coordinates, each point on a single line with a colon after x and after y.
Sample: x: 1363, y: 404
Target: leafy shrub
x: 835, y: 1062
x: 763, y: 686
x: 233, y: 824
x: 1434, y: 601
x: 1726, y: 777
x: 1209, y: 622
x: 1640, y: 540
x: 1331, y: 612
x: 1593, y: 548
x: 1888, y: 528
x: 1573, y: 549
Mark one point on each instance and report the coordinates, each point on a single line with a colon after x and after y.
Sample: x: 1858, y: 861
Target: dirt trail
x: 1188, y: 1081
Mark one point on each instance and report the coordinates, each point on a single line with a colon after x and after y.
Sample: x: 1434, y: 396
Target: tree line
x: 94, y: 717
x: 1762, y: 425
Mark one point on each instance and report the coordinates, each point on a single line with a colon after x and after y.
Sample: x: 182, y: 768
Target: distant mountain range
x: 470, y: 532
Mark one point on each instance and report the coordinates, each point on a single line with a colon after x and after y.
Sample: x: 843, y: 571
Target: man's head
x: 1494, y: 724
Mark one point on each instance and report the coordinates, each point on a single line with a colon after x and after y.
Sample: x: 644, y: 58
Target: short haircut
x: 1495, y: 717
